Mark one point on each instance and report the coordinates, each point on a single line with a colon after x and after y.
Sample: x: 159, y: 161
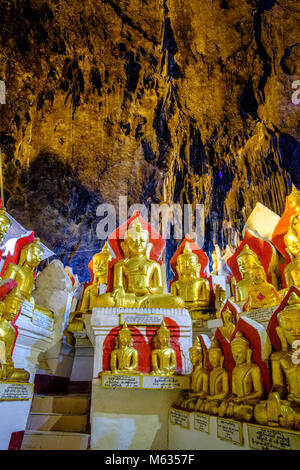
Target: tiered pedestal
x: 198, y: 431
x: 125, y: 414
x: 15, y: 398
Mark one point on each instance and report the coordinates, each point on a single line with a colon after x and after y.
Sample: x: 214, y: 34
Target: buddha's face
x: 239, y: 352
x: 137, y: 242
x: 195, y: 356
x: 188, y: 264
x: 12, y: 307
x: 292, y: 244
x: 228, y: 317
x: 34, y: 255
x: 5, y: 223
x: 215, y: 357
x: 124, y: 338
x: 257, y: 275
x: 245, y: 262
x: 100, y: 265
x: 163, y: 338
x: 289, y: 321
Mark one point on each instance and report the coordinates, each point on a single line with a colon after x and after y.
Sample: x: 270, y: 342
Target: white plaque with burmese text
x: 261, y: 315
x: 141, y: 318
x: 264, y: 438
x: 27, y: 309
x: 230, y: 430
x: 166, y: 383
x: 42, y: 320
x: 13, y: 391
x: 201, y: 422
x: 180, y: 418
x: 120, y: 381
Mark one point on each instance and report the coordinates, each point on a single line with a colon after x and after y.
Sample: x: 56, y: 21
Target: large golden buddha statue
x: 5, y: 224
x: 246, y: 260
x: 195, y: 291
x: 23, y: 272
x: 261, y: 293
x: 218, y: 380
x: 163, y: 357
x: 137, y: 278
x: 247, y: 384
x: 9, y: 309
x: 292, y: 270
x: 283, y: 405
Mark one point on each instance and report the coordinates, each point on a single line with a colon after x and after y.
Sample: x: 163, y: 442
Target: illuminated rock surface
x: 162, y: 100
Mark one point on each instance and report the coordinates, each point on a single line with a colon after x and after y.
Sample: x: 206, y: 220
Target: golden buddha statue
x: 198, y: 376
x: 195, y: 291
x: 218, y: 380
x: 229, y: 324
x: 137, y: 278
x: 124, y: 358
x: 91, y: 293
x: 261, y: 293
x: 30, y: 257
x: 5, y: 224
x: 163, y: 357
x: 292, y: 270
x: 247, y: 384
x: 246, y: 260
x: 283, y: 405
x: 9, y: 309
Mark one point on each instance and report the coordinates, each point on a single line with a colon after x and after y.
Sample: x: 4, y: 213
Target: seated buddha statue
x: 124, y: 358
x: 5, y: 224
x: 283, y: 405
x: 247, y: 384
x: 246, y: 260
x: 189, y: 397
x: 30, y: 257
x: 218, y: 380
x: 163, y: 357
x: 137, y: 278
x: 91, y: 293
x: 292, y: 270
x: 229, y: 324
x: 195, y: 291
x: 261, y: 293
x: 9, y: 309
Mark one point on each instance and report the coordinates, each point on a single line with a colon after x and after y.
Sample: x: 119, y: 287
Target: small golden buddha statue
x: 163, y: 357
x: 283, y: 405
x: 91, y: 293
x: 261, y: 293
x: 30, y: 257
x: 198, y: 376
x: 124, y: 358
x: 194, y: 290
x: 229, y: 324
x: 246, y: 260
x: 247, y: 384
x: 137, y: 278
x: 292, y: 270
x: 9, y: 309
x: 218, y: 380
x: 5, y: 224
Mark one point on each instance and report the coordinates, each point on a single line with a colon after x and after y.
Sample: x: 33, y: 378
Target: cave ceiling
x: 157, y: 100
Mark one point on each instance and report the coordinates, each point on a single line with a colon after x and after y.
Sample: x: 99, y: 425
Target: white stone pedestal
x: 123, y: 419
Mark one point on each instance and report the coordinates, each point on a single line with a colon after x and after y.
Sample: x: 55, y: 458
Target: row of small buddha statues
x: 240, y: 392
x: 124, y: 357
x: 19, y: 275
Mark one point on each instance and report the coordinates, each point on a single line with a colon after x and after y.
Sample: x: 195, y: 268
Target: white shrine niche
x: 103, y: 320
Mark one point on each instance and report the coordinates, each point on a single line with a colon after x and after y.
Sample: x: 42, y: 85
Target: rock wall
x: 156, y: 100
